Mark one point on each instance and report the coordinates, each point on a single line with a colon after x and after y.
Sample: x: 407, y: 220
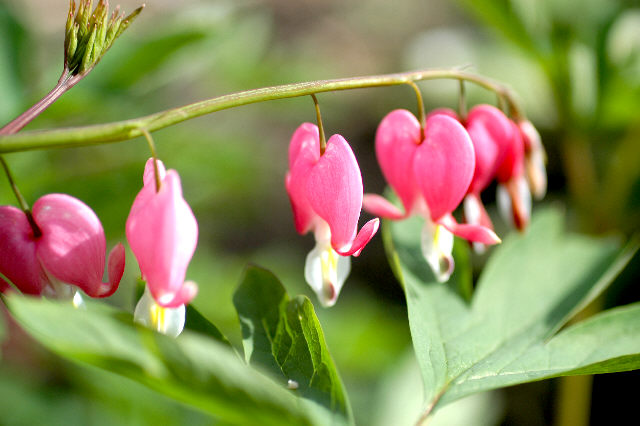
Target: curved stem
x: 323, y: 139
x: 66, y: 82
x: 23, y: 203
x: 462, y: 102
x: 421, y: 115
x: 154, y: 155
x: 129, y: 129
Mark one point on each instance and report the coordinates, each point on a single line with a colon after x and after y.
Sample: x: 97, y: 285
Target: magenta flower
x: 514, y: 195
x: 162, y: 232
x: 69, y: 253
x: 491, y: 132
x: 431, y: 174
x: 325, y: 191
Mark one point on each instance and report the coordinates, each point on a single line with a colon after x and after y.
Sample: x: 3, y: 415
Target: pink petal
x: 491, y: 133
x: 305, y: 143
x: 380, y: 206
x: 444, y: 164
x: 72, y: 246
x: 514, y: 202
x: 149, y: 176
x: 334, y: 190
x: 187, y: 292
x: 397, y: 140
x: 362, y: 239
x: 474, y: 233
x: 304, y: 153
x: 18, y: 260
x: 512, y: 165
x: 475, y: 212
x: 446, y: 111
x: 115, y: 268
x: 162, y: 232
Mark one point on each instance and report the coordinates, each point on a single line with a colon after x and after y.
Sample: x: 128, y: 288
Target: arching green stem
x: 129, y: 129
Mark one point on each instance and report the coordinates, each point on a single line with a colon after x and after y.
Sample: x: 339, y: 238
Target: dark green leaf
x: 284, y: 336
x: 195, y: 321
x: 532, y: 285
x: 195, y: 370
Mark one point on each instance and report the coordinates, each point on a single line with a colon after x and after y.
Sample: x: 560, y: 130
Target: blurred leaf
x: 197, y: 371
x: 532, y: 285
x: 284, y: 336
x: 145, y: 57
x: 69, y: 394
x: 501, y: 16
x: 13, y: 39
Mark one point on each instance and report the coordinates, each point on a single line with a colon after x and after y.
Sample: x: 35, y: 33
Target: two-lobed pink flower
x: 327, y: 188
x: 163, y: 233
x: 71, y: 249
x: 430, y: 173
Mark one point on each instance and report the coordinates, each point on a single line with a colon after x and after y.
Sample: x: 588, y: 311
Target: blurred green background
x: 577, y: 76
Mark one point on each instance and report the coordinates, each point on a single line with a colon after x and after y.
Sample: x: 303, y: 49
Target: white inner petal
x: 326, y: 271
x: 504, y: 204
x: 437, y: 245
x: 473, y: 215
x: 524, y: 193
x: 169, y: 321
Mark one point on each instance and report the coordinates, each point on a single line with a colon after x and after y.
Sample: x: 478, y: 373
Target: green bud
x: 89, y: 34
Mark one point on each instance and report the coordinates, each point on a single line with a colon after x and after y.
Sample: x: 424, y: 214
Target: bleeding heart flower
x: 513, y: 194
x: 491, y: 132
x: 69, y: 252
x: 431, y: 174
x: 163, y: 233
x: 325, y: 191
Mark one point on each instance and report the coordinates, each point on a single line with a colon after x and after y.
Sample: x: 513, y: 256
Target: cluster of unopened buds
x: 432, y: 168
x: 59, y: 248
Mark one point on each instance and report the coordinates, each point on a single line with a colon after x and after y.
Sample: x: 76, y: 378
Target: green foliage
x: 195, y: 370
x: 283, y: 335
x: 532, y: 285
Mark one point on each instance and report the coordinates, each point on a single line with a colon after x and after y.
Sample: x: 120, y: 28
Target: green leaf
x: 192, y: 369
x: 283, y: 335
x: 195, y: 321
x: 531, y: 286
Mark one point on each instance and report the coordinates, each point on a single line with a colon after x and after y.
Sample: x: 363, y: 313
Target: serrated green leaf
x: 284, y: 336
x: 532, y: 285
x: 192, y: 369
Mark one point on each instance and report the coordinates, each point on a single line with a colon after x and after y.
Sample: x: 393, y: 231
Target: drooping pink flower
x: 491, y: 132
x: 326, y: 197
x: 431, y: 174
x: 514, y: 195
x: 70, y: 251
x: 163, y: 233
